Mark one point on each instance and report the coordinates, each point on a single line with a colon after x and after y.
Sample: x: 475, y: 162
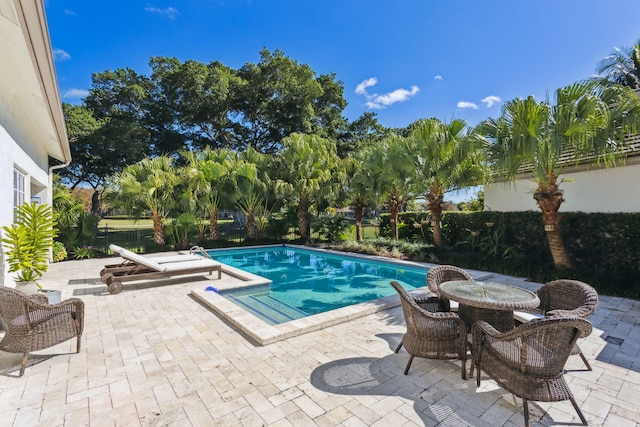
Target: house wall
x: 34, y: 165
x: 600, y: 190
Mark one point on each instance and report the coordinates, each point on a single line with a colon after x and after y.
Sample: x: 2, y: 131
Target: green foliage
x: 28, y: 241
x: 605, y: 247
x: 59, y: 252
x: 84, y: 252
x: 82, y: 232
x: 180, y: 229
x: 334, y: 228
x: 473, y: 205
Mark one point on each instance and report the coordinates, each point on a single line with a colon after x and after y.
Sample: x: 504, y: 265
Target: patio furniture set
x: 523, y: 351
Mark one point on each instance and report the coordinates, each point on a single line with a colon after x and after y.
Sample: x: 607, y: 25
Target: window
x: 18, y: 188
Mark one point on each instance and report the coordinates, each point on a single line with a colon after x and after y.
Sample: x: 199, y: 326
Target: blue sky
x: 404, y: 60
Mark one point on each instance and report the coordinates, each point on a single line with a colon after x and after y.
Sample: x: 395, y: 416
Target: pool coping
x: 263, y: 333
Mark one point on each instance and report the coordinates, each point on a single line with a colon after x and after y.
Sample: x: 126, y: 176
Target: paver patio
x: 154, y: 356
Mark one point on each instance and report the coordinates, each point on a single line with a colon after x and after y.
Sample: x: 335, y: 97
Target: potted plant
x: 27, y: 244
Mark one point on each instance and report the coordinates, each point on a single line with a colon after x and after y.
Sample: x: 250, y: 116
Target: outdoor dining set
x: 520, y: 339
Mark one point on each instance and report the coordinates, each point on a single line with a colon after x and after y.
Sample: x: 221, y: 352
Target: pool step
x: 269, y: 309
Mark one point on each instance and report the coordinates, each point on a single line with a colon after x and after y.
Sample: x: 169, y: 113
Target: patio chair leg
x: 575, y: 406
x: 464, y: 369
x: 584, y: 359
x: 406, y: 370
x: 78, y: 344
x: 525, y: 404
x: 23, y: 365
x: 477, y: 375
x: 399, y: 346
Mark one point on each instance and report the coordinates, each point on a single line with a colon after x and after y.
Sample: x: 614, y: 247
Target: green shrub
x: 59, y: 252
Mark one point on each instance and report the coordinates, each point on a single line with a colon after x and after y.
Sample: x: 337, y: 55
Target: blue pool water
x: 306, y: 282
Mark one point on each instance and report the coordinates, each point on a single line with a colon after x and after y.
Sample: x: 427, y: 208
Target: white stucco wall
x: 35, y: 168
x: 601, y: 190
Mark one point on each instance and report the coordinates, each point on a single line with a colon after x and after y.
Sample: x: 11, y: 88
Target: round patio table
x: 490, y: 301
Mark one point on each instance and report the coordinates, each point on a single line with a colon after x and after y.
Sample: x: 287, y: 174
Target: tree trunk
x: 251, y: 224
x: 359, y: 213
x: 303, y: 218
x: 213, y: 224
x: 434, y: 200
x: 548, y: 196
x: 393, y: 210
x: 95, y: 202
x: 158, y: 235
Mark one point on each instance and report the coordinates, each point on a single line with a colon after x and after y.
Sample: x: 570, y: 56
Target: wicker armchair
x: 566, y: 298
x: 445, y: 273
x: 432, y: 335
x: 33, y: 324
x: 529, y: 360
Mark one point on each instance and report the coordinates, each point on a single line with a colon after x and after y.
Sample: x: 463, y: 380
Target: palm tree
x: 446, y: 159
x: 310, y: 167
x: 360, y: 187
x: 388, y: 169
x: 622, y: 67
x: 146, y: 187
x: 209, y: 175
x: 587, y: 123
x: 252, y: 186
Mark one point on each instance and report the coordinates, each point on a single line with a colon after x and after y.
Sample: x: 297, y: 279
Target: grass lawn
x: 125, y: 223
x: 141, y: 223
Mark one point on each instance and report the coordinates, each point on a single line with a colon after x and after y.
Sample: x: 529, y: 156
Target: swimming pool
x: 306, y: 282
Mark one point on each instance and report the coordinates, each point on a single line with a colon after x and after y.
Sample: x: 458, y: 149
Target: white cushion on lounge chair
x: 194, y: 263
x: 126, y: 254
x: 174, y: 258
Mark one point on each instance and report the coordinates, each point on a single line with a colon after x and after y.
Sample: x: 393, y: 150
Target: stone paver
x: 154, y: 356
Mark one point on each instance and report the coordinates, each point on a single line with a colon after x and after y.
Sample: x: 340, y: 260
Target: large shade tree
x: 587, y: 123
x: 99, y: 148
x: 446, y: 158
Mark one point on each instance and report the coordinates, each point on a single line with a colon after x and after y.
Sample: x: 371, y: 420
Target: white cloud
x: 467, y: 104
x: 170, y: 12
x: 75, y: 93
x: 381, y: 101
x: 398, y: 95
x: 361, y: 89
x: 70, y: 12
x: 60, y: 55
x: 438, y: 77
x: 490, y: 100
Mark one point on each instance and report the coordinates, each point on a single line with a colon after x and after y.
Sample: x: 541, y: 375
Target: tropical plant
x: 390, y: 176
x: 209, y: 179
x: 253, y: 189
x: 59, y: 252
x: 360, y: 187
x: 587, y: 123
x: 622, y: 67
x: 29, y: 240
x: 310, y: 171
x: 147, y: 187
x: 446, y: 159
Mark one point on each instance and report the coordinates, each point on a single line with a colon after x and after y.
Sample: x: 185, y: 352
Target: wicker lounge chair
x: 445, y: 273
x: 432, y: 335
x: 137, y: 267
x: 529, y: 360
x: 564, y: 298
x: 33, y: 324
